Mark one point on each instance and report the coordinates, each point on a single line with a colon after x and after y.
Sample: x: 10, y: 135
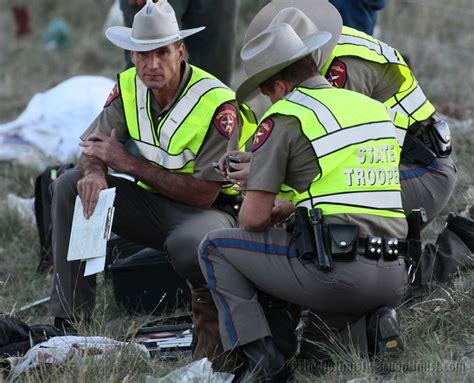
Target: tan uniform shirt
x: 287, y: 157
x: 214, y: 145
x: 377, y: 81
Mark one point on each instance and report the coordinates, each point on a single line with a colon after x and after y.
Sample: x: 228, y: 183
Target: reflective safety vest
x: 175, y: 139
x: 409, y: 99
x: 354, y: 142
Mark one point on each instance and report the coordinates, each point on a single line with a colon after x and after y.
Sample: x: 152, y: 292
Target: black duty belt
x: 373, y: 247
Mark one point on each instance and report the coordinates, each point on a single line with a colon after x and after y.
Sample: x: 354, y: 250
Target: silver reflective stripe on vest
x: 389, y: 53
x: 144, y: 124
x: 381, y: 48
x: 411, y: 103
x: 161, y: 157
x: 350, y: 136
x: 184, y: 107
x: 399, y: 132
x: 374, y: 200
x: 323, y: 114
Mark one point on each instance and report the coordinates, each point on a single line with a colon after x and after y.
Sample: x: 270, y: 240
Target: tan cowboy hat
x: 154, y: 26
x: 269, y: 52
x: 305, y: 17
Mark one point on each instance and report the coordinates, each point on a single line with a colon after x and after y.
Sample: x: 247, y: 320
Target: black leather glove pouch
x: 342, y: 241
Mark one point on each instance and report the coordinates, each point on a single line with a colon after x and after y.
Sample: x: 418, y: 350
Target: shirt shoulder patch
x: 114, y: 93
x: 337, y: 74
x: 225, y: 120
x: 262, y: 133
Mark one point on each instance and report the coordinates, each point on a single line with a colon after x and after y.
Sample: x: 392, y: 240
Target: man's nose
x: 154, y: 61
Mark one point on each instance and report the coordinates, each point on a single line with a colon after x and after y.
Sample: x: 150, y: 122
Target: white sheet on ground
x: 50, y: 126
x: 197, y: 371
x: 60, y: 349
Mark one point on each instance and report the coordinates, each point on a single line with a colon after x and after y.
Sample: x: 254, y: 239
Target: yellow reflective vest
x: 174, y: 140
x: 354, y: 142
x: 409, y: 99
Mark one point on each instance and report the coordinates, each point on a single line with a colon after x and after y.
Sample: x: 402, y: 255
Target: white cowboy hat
x: 269, y: 52
x: 305, y: 17
x: 154, y: 26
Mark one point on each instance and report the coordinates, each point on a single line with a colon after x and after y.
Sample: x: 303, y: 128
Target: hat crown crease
x: 275, y: 45
x: 301, y: 24
x: 155, y: 21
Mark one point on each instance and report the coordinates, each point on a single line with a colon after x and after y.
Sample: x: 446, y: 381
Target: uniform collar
x: 316, y: 82
x: 182, y: 85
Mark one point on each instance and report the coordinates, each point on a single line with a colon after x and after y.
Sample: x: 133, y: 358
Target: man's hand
x: 242, y: 156
x: 281, y: 210
x: 238, y: 173
x: 108, y: 150
x: 88, y: 189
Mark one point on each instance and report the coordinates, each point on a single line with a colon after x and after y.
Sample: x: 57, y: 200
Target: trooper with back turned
x: 428, y: 175
x: 311, y: 140
x: 361, y: 63
x: 181, y: 119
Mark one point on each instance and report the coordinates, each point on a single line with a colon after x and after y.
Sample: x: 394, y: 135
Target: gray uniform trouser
x: 140, y: 216
x: 429, y: 186
x: 237, y: 264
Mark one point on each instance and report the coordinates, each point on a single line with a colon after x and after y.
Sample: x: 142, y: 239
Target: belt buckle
x: 374, y: 247
x: 391, y: 251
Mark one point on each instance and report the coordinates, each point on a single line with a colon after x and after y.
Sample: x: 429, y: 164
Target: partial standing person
x: 213, y: 49
x: 312, y: 139
x: 359, y: 14
x: 181, y: 119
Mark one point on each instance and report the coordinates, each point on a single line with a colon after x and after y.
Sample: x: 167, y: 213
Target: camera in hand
x: 229, y: 160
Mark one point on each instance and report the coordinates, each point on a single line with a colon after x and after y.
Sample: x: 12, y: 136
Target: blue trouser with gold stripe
x: 237, y: 264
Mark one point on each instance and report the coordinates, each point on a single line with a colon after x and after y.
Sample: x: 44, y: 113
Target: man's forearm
x: 89, y: 164
x: 180, y: 187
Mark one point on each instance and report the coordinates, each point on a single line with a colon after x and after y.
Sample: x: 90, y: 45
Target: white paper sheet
x: 89, y: 236
x: 94, y: 266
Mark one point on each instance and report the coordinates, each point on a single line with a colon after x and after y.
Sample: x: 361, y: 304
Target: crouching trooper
x: 312, y: 139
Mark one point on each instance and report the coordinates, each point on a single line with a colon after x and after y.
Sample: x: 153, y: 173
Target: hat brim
x: 122, y: 38
x: 321, y: 12
x: 249, y: 87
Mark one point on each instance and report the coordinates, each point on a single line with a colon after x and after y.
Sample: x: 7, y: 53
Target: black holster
x: 416, y: 220
x: 415, y: 151
x: 302, y: 234
x: 435, y: 141
x: 228, y: 204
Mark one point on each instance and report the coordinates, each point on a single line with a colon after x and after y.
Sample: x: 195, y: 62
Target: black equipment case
x: 144, y: 279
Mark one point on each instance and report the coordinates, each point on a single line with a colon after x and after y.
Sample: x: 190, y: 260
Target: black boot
x: 383, y: 333
x: 68, y: 326
x: 463, y: 227
x: 264, y: 362
x: 282, y: 318
x: 206, y: 339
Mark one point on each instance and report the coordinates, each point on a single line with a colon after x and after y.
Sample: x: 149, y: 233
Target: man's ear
x: 182, y: 52
x: 282, y: 88
x: 132, y: 57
